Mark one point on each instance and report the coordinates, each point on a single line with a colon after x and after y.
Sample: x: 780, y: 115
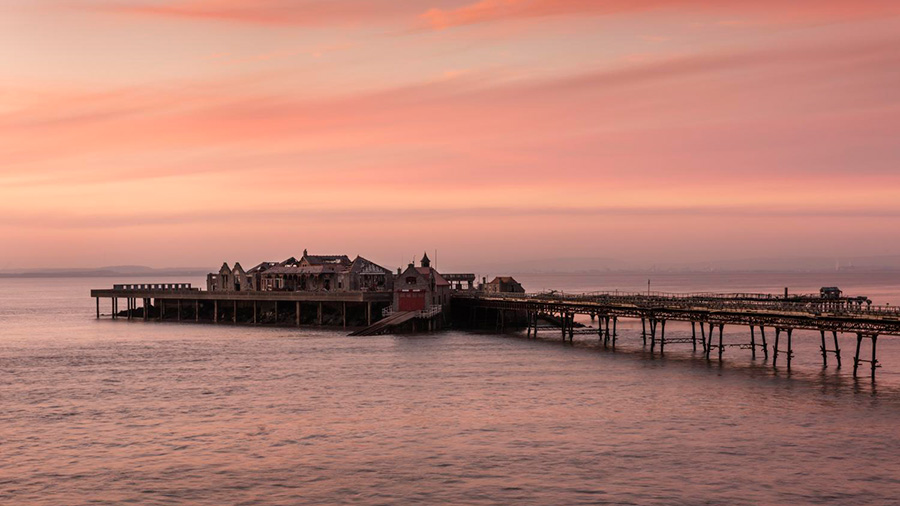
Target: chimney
x: 399, y: 270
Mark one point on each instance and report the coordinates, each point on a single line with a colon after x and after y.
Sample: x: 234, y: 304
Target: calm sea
x: 103, y: 412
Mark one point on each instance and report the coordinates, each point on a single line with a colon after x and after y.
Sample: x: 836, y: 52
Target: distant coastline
x: 103, y: 272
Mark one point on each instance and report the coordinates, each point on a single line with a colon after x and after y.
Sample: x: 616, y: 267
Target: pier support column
x: 162, y: 309
x: 721, y: 347
x: 178, y: 309
x: 644, y: 330
x: 859, y: 338
x: 113, y: 306
x: 298, y: 312
x: 709, y: 339
x: 765, y: 346
x: 146, y: 308
x: 234, y: 311
x: 98, y: 307
x: 694, y: 335
x: 255, y: 311
x: 752, y: 342
x: 874, y: 362
x: 653, y: 324
x: 615, y: 321
x: 215, y: 311
x: 196, y: 310
x: 344, y: 315
x: 606, y: 329
x: 824, y: 350
x: 837, y: 349
x: 368, y: 313
x: 790, y: 350
x: 662, y: 338
x: 319, y: 316
x: 535, y: 324
x: 571, y: 327
x: 775, y: 348
x: 528, y: 325
x: 703, y: 338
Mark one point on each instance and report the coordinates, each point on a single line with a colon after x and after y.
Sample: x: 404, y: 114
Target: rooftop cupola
x: 425, y: 261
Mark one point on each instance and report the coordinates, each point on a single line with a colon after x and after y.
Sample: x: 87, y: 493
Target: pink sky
x: 189, y: 132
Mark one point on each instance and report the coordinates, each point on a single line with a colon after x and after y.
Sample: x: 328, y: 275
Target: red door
x: 412, y: 301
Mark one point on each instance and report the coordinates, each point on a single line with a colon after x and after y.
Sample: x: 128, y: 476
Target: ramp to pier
x: 387, y: 323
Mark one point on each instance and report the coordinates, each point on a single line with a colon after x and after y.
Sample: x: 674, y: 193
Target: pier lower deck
x: 340, y: 309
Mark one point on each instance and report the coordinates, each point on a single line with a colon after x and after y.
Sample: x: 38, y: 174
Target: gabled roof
x: 360, y: 263
x: 503, y: 279
x: 428, y: 272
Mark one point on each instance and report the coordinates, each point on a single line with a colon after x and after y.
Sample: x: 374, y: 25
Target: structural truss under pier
x: 708, y: 312
x: 180, y: 302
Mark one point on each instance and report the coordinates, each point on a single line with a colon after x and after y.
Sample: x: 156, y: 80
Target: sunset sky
x: 191, y: 132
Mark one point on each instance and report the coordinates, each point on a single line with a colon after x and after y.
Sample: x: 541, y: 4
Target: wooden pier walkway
x: 707, y: 313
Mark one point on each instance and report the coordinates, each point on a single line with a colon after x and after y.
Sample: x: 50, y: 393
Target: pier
x: 708, y: 314
x: 771, y: 319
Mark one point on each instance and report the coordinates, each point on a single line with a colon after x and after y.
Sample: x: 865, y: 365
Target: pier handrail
x: 155, y: 286
x: 813, y: 305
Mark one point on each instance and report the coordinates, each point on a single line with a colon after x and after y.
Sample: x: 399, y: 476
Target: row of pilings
x: 710, y: 335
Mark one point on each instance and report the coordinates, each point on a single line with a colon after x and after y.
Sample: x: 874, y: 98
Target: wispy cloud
x: 263, y: 12
x: 483, y: 11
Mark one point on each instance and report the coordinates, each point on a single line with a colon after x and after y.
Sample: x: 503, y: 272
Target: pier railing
x: 808, y: 304
x: 156, y: 286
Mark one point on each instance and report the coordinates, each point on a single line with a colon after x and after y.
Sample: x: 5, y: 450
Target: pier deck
x: 710, y: 312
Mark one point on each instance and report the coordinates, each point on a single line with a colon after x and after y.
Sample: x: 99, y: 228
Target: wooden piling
x: 859, y: 338
x: 790, y: 350
x: 765, y: 346
x: 775, y: 348
x: 837, y: 349
x: 662, y: 337
x: 614, y: 331
x: 721, y: 347
x: 752, y: 342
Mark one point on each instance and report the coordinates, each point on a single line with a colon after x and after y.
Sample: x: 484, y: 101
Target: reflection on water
x: 115, y: 412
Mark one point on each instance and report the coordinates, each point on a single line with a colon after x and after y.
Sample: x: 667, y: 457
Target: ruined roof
x: 307, y: 269
x: 264, y: 266
x: 327, y: 259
